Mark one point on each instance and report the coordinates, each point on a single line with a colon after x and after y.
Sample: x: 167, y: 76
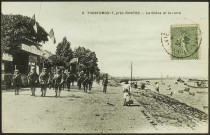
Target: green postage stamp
x: 185, y: 42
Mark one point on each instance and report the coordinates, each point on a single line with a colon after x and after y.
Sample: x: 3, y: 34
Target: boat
x: 196, y: 83
x: 180, y: 80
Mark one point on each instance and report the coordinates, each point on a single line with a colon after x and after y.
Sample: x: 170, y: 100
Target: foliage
x: 55, y: 60
x: 87, y: 61
x: 17, y: 29
x: 64, y: 51
x: 63, y: 54
x: 44, y: 62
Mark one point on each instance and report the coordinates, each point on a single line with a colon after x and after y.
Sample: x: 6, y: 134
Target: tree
x: 17, y: 29
x: 64, y: 50
x: 87, y: 61
x: 63, y: 54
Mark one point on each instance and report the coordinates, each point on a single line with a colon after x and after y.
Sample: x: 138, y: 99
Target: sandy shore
x: 74, y: 112
x: 77, y: 112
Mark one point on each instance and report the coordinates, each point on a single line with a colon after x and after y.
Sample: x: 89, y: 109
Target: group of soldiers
x: 57, y: 80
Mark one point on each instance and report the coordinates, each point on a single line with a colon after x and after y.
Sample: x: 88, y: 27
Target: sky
x: 120, y: 39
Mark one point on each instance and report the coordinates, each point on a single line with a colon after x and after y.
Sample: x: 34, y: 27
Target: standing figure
x: 85, y: 82
x: 32, y: 80
x: 16, y: 81
x: 90, y: 81
x: 157, y: 87
x: 135, y: 85
x: 98, y: 80
x: 64, y: 77
x: 69, y: 80
x: 105, y: 83
x: 80, y: 79
x: 44, y: 80
x: 127, y: 93
x: 58, y: 82
x: 51, y: 82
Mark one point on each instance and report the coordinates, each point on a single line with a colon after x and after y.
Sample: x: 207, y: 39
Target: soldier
x: 90, y: 81
x: 32, y: 80
x: 16, y: 81
x: 58, y: 82
x: 105, y: 83
x: 64, y: 77
x: 44, y: 80
x: 69, y: 80
x: 51, y: 82
x: 80, y: 79
x: 85, y: 83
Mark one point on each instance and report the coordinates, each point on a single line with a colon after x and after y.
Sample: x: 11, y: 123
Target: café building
x: 25, y: 59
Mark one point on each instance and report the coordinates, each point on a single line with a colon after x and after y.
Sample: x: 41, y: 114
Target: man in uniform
x: 64, y: 77
x: 16, y: 81
x: 44, y: 80
x: 90, y: 81
x: 80, y: 79
x: 69, y: 80
x: 105, y: 83
x: 58, y: 82
x: 32, y: 80
x: 85, y: 82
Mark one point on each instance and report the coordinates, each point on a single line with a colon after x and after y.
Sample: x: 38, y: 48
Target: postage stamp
x: 183, y: 42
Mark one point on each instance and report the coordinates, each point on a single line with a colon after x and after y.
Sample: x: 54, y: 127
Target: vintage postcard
x: 105, y: 67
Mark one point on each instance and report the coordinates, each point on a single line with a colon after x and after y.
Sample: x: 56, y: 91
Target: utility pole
x: 131, y: 71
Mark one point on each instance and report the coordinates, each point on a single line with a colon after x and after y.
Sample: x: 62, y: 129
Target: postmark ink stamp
x: 183, y: 42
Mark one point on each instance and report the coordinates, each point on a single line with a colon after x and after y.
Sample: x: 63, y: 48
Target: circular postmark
x: 182, y: 42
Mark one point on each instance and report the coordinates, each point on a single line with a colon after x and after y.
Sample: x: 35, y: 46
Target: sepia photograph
x: 104, y: 67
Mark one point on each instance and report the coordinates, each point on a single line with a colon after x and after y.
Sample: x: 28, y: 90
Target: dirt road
x: 74, y: 112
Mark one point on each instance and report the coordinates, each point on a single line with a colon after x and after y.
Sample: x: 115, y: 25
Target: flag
x: 52, y: 36
x: 74, y: 60
x: 34, y: 23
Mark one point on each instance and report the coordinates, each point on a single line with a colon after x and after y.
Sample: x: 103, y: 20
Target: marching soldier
x: 51, y: 81
x: 69, y: 80
x: 105, y: 83
x: 44, y: 80
x: 64, y: 77
x: 16, y: 81
x: 90, y: 81
x: 58, y: 82
x: 85, y: 82
x: 32, y: 80
x: 80, y: 79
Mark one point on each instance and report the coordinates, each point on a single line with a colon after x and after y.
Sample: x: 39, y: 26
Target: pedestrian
x: 69, y: 80
x: 32, y: 80
x: 135, y: 85
x: 126, y: 93
x: 157, y: 87
x: 80, y: 79
x: 64, y: 77
x: 44, y: 80
x: 85, y: 82
x: 90, y: 81
x: 51, y: 82
x: 58, y: 82
x: 105, y: 83
x: 16, y: 81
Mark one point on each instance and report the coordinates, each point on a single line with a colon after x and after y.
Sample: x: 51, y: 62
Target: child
x: 127, y: 92
x: 16, y: 81
x: 126, y: 97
